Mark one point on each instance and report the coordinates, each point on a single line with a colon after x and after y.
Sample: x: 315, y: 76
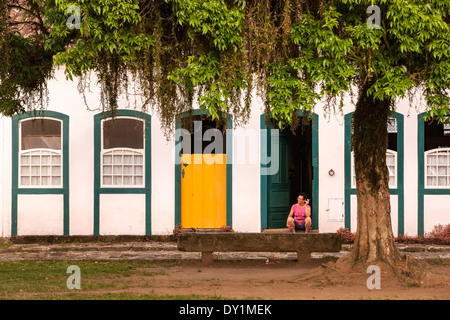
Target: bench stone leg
x: 207, y: 258
x: 303, y: 256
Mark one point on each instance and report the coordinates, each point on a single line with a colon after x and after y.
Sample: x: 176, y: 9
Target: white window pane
x: 431, y: 159
x: 107, y: 170
x: 25, y: 181
x: 390, y: 159
x: 123, y: 167
x: 40, y: 166
x: 442, y: 181
x: 35, y: 159
x: 128, y: 181
x: 35, y: 181
x: 138, y: 180
x: 431, y: 170
x: 437, y: 168
x: 35, y: 170
x: 56, y: 171
x: 128, y: 170
x: 25, y: 159
x: 117, y: 181
x: 45, y: 180
x: 25, y: 170
x: 391, y: 182
x: 56, y: 181
x: 138, y: 159
x: 107, y: 159
x: 117, y: 159
x: 442, y: 170
x: 45, y: 170
x: 56, y: 159
x: 128, y: 159
x: 45, y: 159
x: 138, y: 170
x: 392, y: 125
x: 107, y: 180
x: 431, y: 181
x: 391, y: 170
x: 442, y: 159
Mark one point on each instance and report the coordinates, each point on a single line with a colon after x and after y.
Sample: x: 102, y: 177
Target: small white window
x: 446, y: 129
x: 437, y: 164
x: 122, y: 154
x: 392, y: 125
x: 391, y: 162
x: 40, y: 155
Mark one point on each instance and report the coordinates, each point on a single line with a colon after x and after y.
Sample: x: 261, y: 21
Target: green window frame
x: 398, y: 190
x: 422, y: 190
x: 63, y: 189
x: 99, y: 189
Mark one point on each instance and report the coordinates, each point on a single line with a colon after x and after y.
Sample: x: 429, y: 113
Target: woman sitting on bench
x: 300, y: 216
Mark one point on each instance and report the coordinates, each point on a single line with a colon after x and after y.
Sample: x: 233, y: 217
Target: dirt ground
x: 282, y: 280
x: 169, y: 273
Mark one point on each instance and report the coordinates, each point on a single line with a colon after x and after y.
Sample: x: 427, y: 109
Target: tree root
x: 405, y: 271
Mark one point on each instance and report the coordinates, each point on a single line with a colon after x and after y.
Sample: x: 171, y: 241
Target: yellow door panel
x: 203, y: 191
x: 220, y: 179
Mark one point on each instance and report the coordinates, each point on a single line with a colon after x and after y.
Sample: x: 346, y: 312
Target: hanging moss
x: 218, y: 53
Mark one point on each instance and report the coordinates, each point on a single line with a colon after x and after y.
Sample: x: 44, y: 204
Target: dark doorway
x: 300, y: 168
x: 295, y: 173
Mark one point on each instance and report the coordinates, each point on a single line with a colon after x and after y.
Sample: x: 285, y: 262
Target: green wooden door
x: 276, y: 198
x: 279, y: 185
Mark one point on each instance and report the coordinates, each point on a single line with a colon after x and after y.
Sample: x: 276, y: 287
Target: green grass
x: 5, y: 245
x: 439, y: 262
x: 100, y: 280
x: 115, y: 296
x: 413, y: 285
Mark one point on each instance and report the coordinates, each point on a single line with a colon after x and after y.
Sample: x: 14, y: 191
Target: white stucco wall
x: 436, y: 211
x: 6, y: 177
x: 410, y: 167
x: 125, y: 214
x: 331, y: 157
x: 66, y: 99
x: 163, y: 181
x: 246, y: 173
x: 122, y: 214
x: 2, y: 138
x: 40, y: 214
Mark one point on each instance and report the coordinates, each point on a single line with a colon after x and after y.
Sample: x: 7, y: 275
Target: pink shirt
x: 299, y: 213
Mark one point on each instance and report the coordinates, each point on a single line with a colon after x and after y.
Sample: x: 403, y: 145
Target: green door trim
x: 421, y: 190
x: 266, y: 150
x: 399, y: 191
x: 229, y: 166
x: 15, y: 167
x: 148, y: 156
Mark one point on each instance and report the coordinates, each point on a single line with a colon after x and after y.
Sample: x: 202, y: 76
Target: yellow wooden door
x: 203, y: 191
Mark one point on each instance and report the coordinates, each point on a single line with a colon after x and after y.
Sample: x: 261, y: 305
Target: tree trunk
x: 374, y: 240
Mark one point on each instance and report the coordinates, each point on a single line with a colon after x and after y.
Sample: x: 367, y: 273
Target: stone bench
x: 302, y: 243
